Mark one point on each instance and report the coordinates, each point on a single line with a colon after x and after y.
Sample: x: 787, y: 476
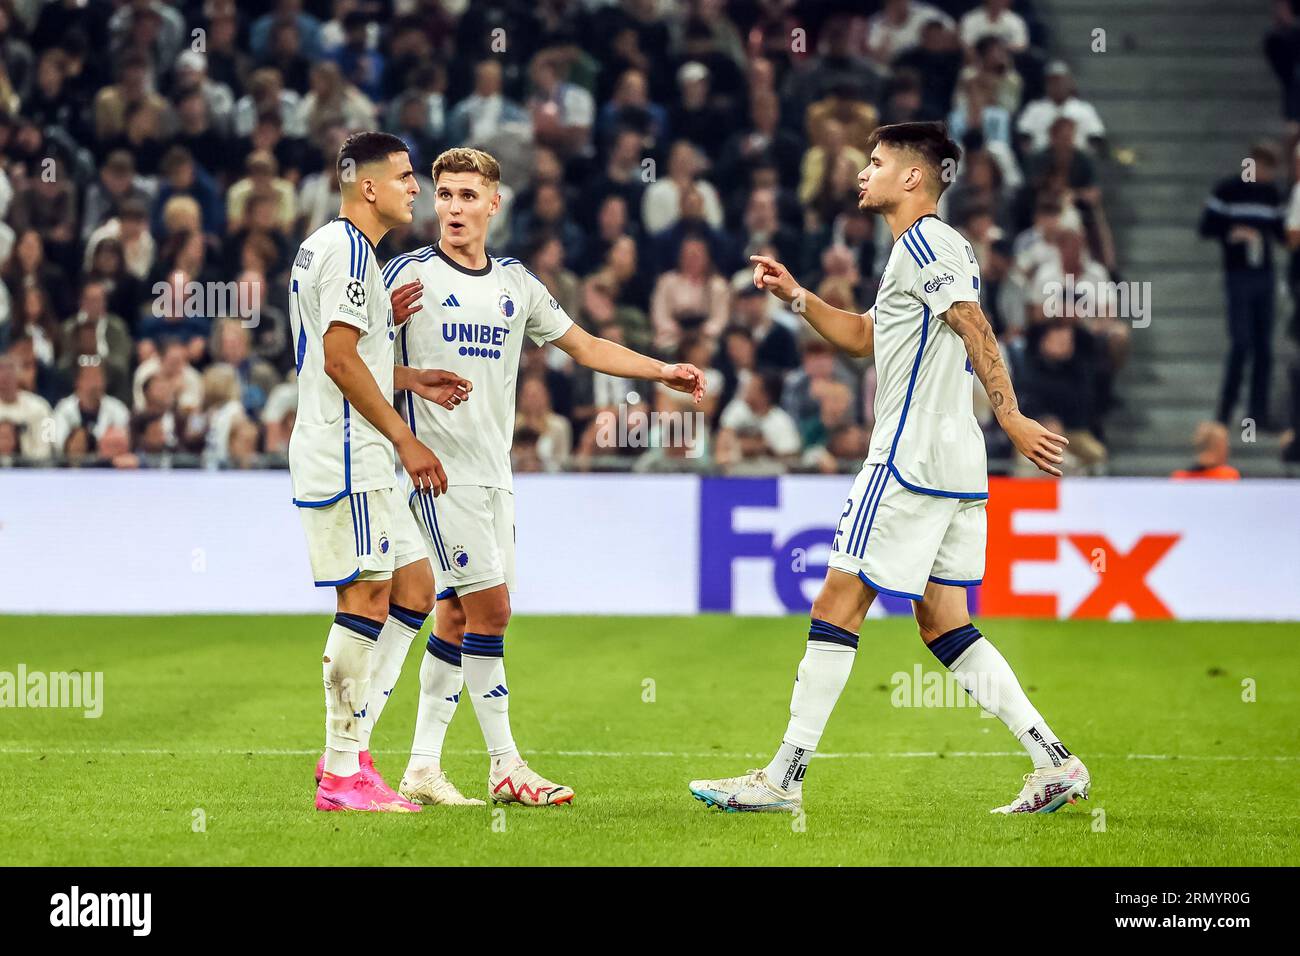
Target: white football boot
x: 522, y: 784
x: 1046, y: 791
x: 434, y: 789
x: 753, y: 792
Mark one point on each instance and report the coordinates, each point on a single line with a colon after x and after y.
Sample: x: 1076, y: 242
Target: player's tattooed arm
x: 851, y: 332
x: 346, y: 368
x: 602, y: 355
x: 1042, y: 447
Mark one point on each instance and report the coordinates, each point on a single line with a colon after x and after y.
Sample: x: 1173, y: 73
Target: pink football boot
x: 386, y: 794
x: 357, y: 792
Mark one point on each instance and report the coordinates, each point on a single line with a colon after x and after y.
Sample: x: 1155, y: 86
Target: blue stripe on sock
x: 362, y: 625
x: 412, y: 619
x: 448, y: 653
x: 483, y: 645
x: 820, y: 630
x: 950, y: 646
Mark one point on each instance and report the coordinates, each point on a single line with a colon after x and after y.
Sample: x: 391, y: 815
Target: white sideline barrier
x: 99, y: 542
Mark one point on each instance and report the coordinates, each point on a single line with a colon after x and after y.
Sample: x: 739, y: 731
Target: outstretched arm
x: 851, y: 332
x: 1031, y: 439
x: 602, y: 355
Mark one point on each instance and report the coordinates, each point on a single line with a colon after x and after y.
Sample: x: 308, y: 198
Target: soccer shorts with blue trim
x: 897, y: 540
x: 364, y: 536
x: 470, y: 534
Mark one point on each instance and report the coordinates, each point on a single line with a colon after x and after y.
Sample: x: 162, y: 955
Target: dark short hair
x: 369, y: 147
x: 929, y: 141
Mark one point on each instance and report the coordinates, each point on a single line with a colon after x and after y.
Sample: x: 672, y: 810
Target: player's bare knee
x: 449, y: 621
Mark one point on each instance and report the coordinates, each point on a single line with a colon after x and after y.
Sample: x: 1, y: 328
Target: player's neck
x: 471, y: 257
x: 905, y: 215
x: 362, y: 215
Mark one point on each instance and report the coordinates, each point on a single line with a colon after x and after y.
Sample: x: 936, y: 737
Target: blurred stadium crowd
x: 161, y: 162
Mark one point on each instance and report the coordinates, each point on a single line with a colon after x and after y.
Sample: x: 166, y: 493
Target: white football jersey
x: 925, y: 430
x: 472, y: 322
x: 333, y: 451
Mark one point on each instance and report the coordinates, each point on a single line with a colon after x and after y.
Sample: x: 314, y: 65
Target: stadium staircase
x: 1183, y: 90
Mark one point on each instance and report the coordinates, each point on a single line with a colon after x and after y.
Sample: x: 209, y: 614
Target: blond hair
x: 465, y: 159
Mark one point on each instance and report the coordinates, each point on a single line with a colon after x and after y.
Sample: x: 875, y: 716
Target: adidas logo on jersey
x: 450, y: 302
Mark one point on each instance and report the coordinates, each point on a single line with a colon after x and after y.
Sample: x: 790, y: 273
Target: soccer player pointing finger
x: 914, y: 523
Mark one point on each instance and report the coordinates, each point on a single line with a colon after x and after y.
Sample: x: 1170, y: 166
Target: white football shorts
x: 363, y: 536
x: 897, y: 540
x: 470, y: 535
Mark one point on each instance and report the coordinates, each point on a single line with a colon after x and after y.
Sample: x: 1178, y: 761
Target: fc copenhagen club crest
x: 356, y: 293
x: 506, y: 304
x: 459, y: 556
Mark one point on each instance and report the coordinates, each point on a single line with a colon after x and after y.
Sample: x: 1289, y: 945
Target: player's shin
x: 390, y: 652
x: 485, y: 682
x: 823, y: 672
x: 441, y: 679
x: 349, y: 653
x: 989, y: 679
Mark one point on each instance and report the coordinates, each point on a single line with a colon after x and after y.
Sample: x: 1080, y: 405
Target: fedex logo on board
x: 1121, y: 574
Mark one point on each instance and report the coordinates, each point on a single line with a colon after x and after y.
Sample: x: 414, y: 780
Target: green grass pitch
x: 224, y: 715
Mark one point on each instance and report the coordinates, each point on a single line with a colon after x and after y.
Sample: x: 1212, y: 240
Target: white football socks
x: 485, y: 682
x: 349, y: 651
x: 989, y: 679
x: 390, y: 654
x: 823, y: 672
x: 441, y: 679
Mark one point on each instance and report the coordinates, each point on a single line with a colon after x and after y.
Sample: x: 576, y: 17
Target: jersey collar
x: 359, y: 230
x: 928, y: 215
x: 460, y: 268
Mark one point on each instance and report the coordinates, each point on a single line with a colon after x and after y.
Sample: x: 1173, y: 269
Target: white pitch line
x: 619, y: 754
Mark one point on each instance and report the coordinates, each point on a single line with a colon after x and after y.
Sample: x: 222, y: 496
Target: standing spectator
x: 696, y: 118
x: 563, y: 113
x: 333, y: 101
x: 995, y: 18
x: 360, y: 63
x: 897, y: 28
x: 266, y: 94
x: 937, y: 59
x: 192, y: 77
x: 1245, y: 217
x: 479, y: 118
x: 1036, y: 121
x: 992, y: 60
